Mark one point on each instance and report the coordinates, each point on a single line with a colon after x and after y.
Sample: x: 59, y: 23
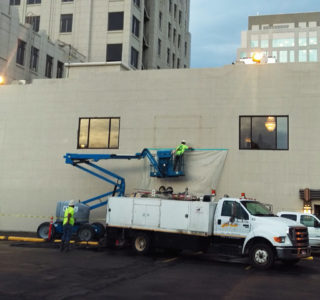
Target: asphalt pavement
x: 40, y: 271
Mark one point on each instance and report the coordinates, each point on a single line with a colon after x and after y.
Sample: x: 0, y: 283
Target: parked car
x: 310, y: 221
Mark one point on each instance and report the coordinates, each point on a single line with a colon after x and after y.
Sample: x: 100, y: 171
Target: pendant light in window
x: 270, y: 124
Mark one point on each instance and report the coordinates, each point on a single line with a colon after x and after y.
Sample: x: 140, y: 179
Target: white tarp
x: 203, y: 170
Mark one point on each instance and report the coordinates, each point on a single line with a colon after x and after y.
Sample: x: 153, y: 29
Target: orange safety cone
x: 50, y: 229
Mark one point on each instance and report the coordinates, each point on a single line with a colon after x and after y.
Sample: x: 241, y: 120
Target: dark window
x: 60, y: 69
x: 33, y: 1
x: 34, y: 21
x: 134, y: 57
x: 135, y: 26
x: 66, y: 23
x: 173, y: 59
x: 180, y: 16
x: 49, y: 65
x: 14, y: 2
x: 174, y: 35
x: 137, y: 2
x: 114, y: 52
x: 309, y: 221
x: 160, y: 20
x: 170, y: 6
x: 175, y: 11
x: 232, y: 208
x: 291, y: 217
x: 115, y: 21
x: 168, y: 56
x: 67, y: 0
x: 98, y: 133
x: 179, y: 41
x: 264, y: 132
x: 178, y: 63
x: 21, y: 50
x: 34, y: 58
x: 169, y: 30
x: 185, y: 49
x: 159, y: 47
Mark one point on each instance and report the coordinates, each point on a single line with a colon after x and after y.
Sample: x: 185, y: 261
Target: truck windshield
x: 257, y: 209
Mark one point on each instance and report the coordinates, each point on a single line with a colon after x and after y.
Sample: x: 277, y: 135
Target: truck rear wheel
x: 261, y: 256
x: 142, y: 243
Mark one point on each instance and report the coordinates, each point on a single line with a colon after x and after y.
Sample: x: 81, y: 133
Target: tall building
x: 141, y: 34
x: 25, y: 54
x: 286, y: 37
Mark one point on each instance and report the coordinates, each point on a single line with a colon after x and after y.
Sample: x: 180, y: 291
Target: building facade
x: 256, y: 112
x: 288, y: 38
x: 25, y: 54
x: 141, y: 34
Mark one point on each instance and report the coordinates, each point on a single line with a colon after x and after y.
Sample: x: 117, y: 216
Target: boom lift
x: 162, y: 166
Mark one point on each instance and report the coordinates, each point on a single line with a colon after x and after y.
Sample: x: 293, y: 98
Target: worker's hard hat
x: 71, y: 203
x: 183, y: 142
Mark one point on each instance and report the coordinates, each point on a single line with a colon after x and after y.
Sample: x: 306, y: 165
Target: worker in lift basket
x: 68, y: 222
x: 179, y: 153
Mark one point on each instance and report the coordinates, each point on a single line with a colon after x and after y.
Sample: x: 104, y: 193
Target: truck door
x: 313, y: 229
x: 233, y: 221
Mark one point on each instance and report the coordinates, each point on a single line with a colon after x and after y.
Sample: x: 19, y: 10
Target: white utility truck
x: 308, y: 220
x: 233, y: 226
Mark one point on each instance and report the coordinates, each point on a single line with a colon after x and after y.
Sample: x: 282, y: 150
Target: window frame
x: 109, y: 49
x: 134, y: 60
x: 264, y: 116
x: 115, y: 20
x: 60, y: 69
x: 34, y: 59
x: 32, y: 2
x: 21, y: 52
x: 34, y: 21
x: 65, y: 24
x: 49, y: 66
x: 135, y: 30
x: 88, y: 132
x: 15, y: 2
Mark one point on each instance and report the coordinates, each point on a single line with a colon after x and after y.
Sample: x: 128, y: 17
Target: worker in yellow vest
x: 68, y: 222
x: 178, y: 152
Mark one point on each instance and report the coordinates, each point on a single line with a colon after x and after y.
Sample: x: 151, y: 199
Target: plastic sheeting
x: 203, y: 170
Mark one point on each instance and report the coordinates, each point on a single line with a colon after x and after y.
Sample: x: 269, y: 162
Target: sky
x: 216, y: 25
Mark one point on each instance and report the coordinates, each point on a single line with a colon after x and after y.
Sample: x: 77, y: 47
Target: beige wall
x: 39, y: 122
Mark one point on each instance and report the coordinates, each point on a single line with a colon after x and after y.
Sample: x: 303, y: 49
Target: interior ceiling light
x: 270, y: 124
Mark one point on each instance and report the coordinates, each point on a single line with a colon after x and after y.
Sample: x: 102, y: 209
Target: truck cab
x: 258, y: 233
x: 312, y: 222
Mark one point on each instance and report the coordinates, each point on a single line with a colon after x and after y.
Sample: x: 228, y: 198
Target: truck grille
x: 299, y: 236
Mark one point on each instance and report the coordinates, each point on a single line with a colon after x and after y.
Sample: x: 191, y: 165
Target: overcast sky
x: 216, y: 25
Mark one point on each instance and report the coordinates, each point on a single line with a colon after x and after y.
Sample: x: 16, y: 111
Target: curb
x: 39, y: 240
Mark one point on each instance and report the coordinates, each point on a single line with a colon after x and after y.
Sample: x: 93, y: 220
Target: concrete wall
x: 39, y: 123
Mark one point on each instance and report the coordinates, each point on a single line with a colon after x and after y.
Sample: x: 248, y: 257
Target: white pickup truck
x: 308, y: 220
x: 232, y: 226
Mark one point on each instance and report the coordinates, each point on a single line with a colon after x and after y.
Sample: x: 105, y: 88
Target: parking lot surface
x: 29, y: 271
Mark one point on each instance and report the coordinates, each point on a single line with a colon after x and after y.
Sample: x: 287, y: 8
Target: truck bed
x: 163, y: 215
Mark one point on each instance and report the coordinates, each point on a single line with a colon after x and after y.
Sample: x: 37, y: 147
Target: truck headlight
x: 280, y: 239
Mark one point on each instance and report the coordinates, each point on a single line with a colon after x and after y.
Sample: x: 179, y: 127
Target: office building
x: 141, y: 34
x: 288, y: 38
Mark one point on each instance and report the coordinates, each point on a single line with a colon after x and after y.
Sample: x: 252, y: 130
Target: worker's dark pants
x: 67, y: 233
x: 177, y: 162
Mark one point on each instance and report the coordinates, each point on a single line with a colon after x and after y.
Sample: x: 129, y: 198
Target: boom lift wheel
x: 85, y: 232
x: 43, y: 230
x: 142, y: 243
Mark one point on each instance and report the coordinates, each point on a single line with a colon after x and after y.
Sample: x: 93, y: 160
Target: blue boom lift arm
x: 163, y: 167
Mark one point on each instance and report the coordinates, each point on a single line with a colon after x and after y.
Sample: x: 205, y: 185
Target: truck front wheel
x: 142, y: 243
x: 261, y: 256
